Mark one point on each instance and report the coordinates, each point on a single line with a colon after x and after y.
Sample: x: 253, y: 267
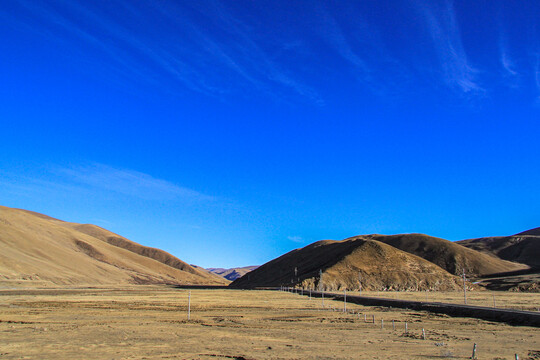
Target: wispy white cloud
x: 34, y: 186
x: 296, y: 239
x: 190, y: 55
x: 128, y: 182
x: 96, y: 179
x: 52, y: 24
x: 508, y: 64
x: 247, y: 57
x: 101, y: 222
x: 212, y: 49
x: 126, y: 47
x: 334, y: 35
x: 537, y: 78
x: 444, y: 30
x: 511, y: 74
x: 361, y: 46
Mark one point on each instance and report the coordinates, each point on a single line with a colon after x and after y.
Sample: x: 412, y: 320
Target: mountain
x: 379, y: 265
x: 451, y: 256
x: 233, y: 273
x: 523, y: 247
x: 119, y: 241
x: 40, y: 250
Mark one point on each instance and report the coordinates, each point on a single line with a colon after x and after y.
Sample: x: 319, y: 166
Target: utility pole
x: 359, y: 283
x: 464, y: 288
x: 321, y: 286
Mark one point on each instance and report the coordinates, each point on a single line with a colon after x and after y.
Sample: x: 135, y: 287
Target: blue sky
x: 230, y: 132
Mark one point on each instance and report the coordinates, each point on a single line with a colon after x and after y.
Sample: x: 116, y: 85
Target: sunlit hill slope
x: 41, y: 250
x: 379, y: 265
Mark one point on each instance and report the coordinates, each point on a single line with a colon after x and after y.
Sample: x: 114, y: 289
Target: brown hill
x: 41, y: 250
x: 450, y: 256
x: 119, y: 241
x: 380, y: 266
x: 524, y: 249
x: 233, y: 273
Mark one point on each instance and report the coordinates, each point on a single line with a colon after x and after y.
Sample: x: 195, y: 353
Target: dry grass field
x: 143, y: 322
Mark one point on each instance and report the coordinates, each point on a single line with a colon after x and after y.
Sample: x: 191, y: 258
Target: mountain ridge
x: 449, y: 255
x: 524, y: 249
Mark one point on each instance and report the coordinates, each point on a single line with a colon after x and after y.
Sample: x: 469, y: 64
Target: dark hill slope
x: 153, y: 253
x: 523, y: 249
x: 532, y: 232
x: 380, y: 266
x: 450, y: 256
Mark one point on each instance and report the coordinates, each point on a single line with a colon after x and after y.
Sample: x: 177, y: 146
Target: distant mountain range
x: 233, y: 273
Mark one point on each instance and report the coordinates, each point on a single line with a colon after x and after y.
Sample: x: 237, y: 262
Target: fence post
x: 189, y: 306
x: 345, y: 300
x: 464, y: 288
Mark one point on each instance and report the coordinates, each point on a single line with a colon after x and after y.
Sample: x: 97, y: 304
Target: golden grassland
x: 145, y: 322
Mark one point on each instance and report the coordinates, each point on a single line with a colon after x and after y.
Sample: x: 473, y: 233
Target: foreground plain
x: 146, y: 322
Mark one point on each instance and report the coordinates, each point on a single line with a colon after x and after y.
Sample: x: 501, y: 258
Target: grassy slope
x: 40, y: 249
x: 520, y: 248
x: 381, y: 266
x: 450, y: 256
